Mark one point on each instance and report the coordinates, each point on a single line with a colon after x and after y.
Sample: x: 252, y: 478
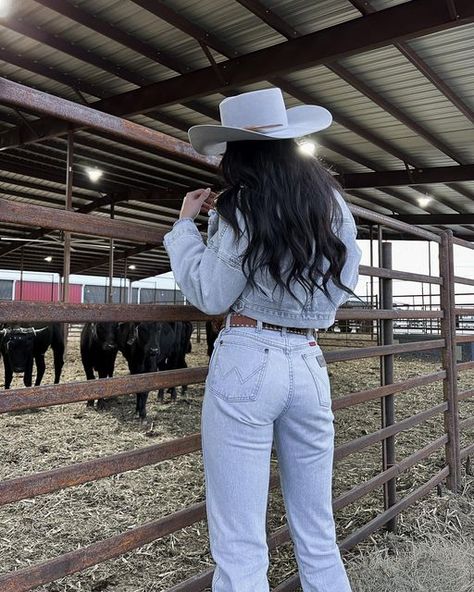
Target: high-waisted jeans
x: 266, y: 385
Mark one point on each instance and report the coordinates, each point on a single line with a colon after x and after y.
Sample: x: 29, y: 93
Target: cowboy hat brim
x: 302, y: 120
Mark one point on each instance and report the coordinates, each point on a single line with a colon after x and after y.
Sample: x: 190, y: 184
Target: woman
x: 281, y: 256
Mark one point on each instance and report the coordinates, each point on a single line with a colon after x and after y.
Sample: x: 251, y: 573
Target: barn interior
x: 397, y: 77
x: 96, y: 97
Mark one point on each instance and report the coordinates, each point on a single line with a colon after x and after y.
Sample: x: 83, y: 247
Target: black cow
x: 140, y: 345
x: 212, y: 331
x: 21, y: 346
x: 99, y: 348
x: 175, y: 343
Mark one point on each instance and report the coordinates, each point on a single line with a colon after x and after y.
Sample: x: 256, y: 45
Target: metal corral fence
x: 45, y: 482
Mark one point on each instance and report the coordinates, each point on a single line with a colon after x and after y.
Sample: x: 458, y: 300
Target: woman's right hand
x: 209, y: 203
x: 194, y: 202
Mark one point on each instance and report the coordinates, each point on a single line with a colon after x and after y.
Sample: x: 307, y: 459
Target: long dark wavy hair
x: 288, y: 205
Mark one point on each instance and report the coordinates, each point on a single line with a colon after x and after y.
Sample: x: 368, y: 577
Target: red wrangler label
x: 312, y: 343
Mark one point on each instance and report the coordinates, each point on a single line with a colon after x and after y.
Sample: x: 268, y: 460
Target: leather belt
x: 238, y: 320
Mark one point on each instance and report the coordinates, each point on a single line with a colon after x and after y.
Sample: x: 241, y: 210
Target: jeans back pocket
x: 318, y: 368
x: 237, y: 370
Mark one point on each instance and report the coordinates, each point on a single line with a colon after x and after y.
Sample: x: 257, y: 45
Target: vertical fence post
x: 372, y: 323
x: 388, y: 402
x: 110, y: 291
x: 67, y: 235
x: 450, y: 387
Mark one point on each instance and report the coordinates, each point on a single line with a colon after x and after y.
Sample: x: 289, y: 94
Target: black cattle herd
x: 146, y: 346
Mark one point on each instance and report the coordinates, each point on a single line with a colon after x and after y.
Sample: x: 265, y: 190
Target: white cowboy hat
x: 257, y: 115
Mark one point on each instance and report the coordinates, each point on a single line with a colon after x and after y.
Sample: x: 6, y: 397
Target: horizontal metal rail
x: 82, y: 313
x: 80, y: 559
x: 395, y: 470
x: 198, y: 582
x: 463, y: 243
x: 13, y: 490
x: 463, y: 280
x: 47, y: 571
x: 464, y: 312
x: 468, y: 451
x: 381, y: 314
x: 466, y: 424
x: 73, y: 392
x: 292, y: 583
x: 359, y: 444
x: 381, y: 519
x: 462, y: 366
x: 399, y: 275
x: 383, y: 391
x: 26, y: 214
x: 79, y: 473
x: 466, y: 395
x: 395, y: 224
x: 23, y: 97
x: 342, y: 355
x: 203, y: 580
x: 31, y: 577
x: 465, y: 338
x: 61, y: 312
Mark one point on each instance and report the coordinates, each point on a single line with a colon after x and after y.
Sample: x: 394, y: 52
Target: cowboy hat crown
x: 257, y: 115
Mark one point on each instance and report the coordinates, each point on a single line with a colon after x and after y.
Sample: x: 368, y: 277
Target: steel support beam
x: 112, y: 32
x: 279, y: 24
x: 387, y: 106
x: 429, y: 219
x: 23, y: 97
x: 14, y: 212
x: 270, y: 18
x: 84, y: 209
x: 177, y: 20
x: 404, y: 177
x: 20, y: 26
x: 404, y: 21
x: 366, y: 8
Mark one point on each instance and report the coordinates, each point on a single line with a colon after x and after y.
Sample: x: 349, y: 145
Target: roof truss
x: 375, y: 30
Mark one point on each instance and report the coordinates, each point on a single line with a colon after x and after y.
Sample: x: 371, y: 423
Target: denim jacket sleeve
x: 347, y: 232
x: 210, y: 276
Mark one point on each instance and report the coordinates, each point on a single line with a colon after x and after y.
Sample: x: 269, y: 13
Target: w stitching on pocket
x: 237, y: 371
x: 322, y: 387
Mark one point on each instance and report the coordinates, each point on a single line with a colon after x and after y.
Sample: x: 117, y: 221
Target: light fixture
x: 424, y: 201
x: 48, y: 258
x: 94, y: 174
x: 132, y: 267
x: 5, y: 7
x: 307, y: 147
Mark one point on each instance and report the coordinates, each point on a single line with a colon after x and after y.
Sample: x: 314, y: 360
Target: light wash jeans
x: 264, y: 384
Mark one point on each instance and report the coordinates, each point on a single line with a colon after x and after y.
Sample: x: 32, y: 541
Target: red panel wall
x: 44, y: 292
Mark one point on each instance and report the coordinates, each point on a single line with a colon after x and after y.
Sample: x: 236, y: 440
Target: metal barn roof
x: 403, y: 102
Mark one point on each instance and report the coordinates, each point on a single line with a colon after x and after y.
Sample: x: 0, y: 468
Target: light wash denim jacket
x: 211, y: 277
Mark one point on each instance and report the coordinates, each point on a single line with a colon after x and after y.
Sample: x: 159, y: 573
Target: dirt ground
x: 37, y: 529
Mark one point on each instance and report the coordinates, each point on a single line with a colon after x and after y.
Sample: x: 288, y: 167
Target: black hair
x: 290, y: 211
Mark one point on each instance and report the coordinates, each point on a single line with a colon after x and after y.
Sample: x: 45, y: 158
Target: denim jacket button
x: 238, y: 306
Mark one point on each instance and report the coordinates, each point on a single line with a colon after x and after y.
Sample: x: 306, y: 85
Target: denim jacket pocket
x: 236, y: 371
x: 318, y: 368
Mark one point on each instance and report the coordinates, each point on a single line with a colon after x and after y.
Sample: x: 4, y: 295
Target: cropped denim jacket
x: 211, y: 278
